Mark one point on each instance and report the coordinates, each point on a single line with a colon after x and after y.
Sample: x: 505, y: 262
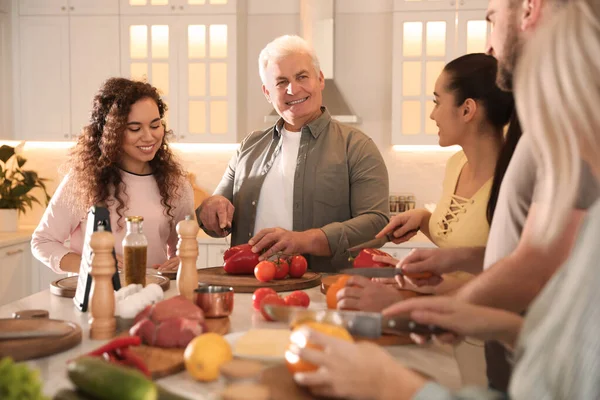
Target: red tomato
x: 282, y: 268
x: 292, y: 301
x: 298, y: 266
x: 265, y: 271
x: 270, y: 299
x: 259, y: 295
x: 301, y: 296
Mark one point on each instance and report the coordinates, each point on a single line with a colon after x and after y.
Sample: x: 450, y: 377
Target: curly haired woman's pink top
x: 61, y: 222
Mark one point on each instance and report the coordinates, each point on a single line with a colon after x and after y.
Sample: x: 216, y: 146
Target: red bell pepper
x: 364, y: 259
x: 242, y: 261
x: 118, y: 343
x: 232, y: 250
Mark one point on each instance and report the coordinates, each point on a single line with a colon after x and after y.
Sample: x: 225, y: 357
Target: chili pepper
x: 232, y: 250
x: 118, y: 343
x: 364, y: 259
x: 129, y: 358
x: 242, y: 262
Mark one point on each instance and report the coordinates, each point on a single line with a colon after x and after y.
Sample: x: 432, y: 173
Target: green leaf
x: 21, y: 161
x: 6, y: 152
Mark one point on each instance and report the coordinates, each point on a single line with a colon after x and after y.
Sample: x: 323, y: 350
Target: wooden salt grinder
x: 102, y: 298
x: 187, y: 250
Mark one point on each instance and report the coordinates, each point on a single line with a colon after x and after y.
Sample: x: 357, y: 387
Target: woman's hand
x: 353, y: 370
x: 168, y: 266
x: 119, y: 262
x: 403, y: 226
x: 404, y: 281
x: 461, y: 318
x: 362, y: 294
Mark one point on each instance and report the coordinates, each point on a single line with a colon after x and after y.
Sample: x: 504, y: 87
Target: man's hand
x: 363, y: 294
x: 279, y: 240
x: 461, y: 318
x: 216, y: 214
x: 403, y: 281
x: 172, y: 264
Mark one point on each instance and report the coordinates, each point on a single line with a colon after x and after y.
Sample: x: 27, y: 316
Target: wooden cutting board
x: 248, y: 283
x: 281, y: 384
x: 172, y: 275
x: 164, y: 362
x: 66, y: 287
x: 26, y: 349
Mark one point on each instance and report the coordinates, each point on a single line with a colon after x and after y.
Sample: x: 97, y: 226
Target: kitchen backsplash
x: 418, y: 173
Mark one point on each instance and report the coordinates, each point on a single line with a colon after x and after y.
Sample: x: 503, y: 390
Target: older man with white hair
x: 307, y: 185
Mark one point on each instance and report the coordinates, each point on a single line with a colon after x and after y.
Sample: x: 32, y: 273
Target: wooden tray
x: 172, y: 275
x: 66, y: 287
x: 26, y: 349
x: 164, y: 362
x: 248, y: 283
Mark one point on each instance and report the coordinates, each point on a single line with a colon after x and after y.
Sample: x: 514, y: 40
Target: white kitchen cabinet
x: 397, y: 252
x: 14, y: 264
x: 44, y: 71
x: 423, y: 42
x: 63, y: 61
x: 201, y: 261
x: 6, y: 131
x: 94, y: 57
x: 215, y: 254
x: 178, y: 7
x: 65, y: 7
x: 4, y: 6
x: 438, y: 5
x: 192, y: 61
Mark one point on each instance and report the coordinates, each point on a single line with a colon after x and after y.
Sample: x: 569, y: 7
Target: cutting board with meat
x: 166, y: 328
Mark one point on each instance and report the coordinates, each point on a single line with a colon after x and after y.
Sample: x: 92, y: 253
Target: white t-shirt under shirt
x: 275, y: 203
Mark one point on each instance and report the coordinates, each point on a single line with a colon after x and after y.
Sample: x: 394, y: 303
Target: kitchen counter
x: 20, y: 236
x: 436, y: 361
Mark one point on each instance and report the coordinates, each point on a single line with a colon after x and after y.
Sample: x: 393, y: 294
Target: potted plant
x: 16, y: 184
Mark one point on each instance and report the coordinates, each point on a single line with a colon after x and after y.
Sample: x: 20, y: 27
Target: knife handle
x: 402, y: 325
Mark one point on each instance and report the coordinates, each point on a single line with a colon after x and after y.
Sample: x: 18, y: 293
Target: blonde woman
x: 557, y: 344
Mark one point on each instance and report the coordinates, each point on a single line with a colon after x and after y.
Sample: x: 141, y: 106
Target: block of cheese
x: 262, y: 343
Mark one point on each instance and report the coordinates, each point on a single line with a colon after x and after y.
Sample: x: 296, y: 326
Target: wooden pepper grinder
x: 102, y: 305
x: 187, y: 250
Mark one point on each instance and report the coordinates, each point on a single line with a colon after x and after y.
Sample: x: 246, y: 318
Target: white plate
x: 232, y: 338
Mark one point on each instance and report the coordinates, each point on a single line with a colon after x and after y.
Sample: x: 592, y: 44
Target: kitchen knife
x: 358, y: 323
x: 378, y: 242
x: 374, y: 272
x: 30, y: 334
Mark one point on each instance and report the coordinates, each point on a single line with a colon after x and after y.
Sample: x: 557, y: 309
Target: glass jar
x: 401, y: 203
x: 410, y: 203
x: 135, y: 250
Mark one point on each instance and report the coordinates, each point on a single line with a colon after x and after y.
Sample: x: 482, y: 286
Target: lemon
x: 204, y: 356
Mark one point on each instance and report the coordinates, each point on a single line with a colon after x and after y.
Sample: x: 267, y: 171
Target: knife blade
x: 379, y: 242
x: 358, y: 323
x: 374, y: 272
x: 30, y: 334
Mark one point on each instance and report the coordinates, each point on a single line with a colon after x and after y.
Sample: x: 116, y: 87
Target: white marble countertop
x: 436, y: 361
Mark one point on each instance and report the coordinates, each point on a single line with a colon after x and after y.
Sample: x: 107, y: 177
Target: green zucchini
x: 105, y: 381
x: 70, y: 394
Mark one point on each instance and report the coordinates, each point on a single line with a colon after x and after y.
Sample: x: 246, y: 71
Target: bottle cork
x: 187, y: 250
x: 102, y: 304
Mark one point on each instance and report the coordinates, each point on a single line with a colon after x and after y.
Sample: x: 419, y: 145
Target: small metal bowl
x: 215, y: 301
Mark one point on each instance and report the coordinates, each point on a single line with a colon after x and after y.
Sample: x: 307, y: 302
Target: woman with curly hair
x: 121, y: 159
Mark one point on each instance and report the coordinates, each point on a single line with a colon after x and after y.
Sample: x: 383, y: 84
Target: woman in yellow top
x: 470, y: 111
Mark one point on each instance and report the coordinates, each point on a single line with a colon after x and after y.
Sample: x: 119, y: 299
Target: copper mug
x: 215, y: 301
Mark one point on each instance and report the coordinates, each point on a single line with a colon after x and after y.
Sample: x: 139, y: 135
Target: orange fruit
x: 331, y: 295
x: 295, y: 363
